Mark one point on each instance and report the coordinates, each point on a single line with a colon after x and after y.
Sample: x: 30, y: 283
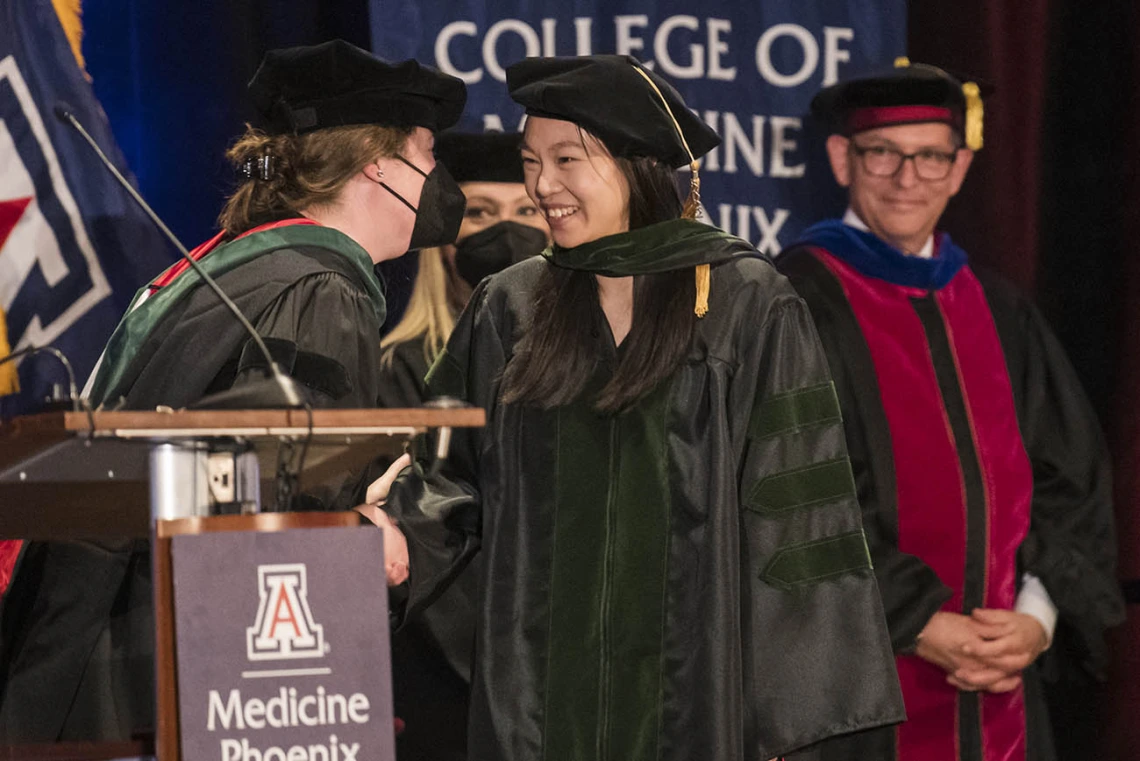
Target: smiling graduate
x: 673, y: 564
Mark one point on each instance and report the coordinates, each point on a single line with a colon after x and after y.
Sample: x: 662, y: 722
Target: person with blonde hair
x: 339, y: 176
x: 501, y: 226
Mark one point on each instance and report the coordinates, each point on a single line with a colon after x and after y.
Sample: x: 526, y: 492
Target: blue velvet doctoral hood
x: 873, y: 257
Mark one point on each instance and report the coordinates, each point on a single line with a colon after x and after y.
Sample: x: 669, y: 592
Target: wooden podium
x: 71, y: 475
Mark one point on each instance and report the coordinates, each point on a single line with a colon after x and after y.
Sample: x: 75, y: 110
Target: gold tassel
x: 9, y: 379
x: 692, y: 207
x: 975, y: 116
x: 902, y: 62
x: 703, y: 279
x: 691, y: 211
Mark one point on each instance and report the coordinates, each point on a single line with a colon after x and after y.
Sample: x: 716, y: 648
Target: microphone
x: 289, y: 393
x: 72, y: 389
x: 443, y: 442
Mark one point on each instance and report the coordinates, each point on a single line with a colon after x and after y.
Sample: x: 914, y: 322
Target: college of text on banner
x: 748, y: 69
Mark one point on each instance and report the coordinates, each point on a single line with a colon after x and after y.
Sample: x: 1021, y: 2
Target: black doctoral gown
x: 977, y: 459
x: 76, y: 635
x: 432, y: 650
x: 685, y: 580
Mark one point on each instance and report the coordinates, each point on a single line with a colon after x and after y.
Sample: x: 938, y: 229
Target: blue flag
x: 73, y: 247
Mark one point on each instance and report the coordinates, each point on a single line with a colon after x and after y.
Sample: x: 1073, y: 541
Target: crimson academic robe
x: 977, y: 458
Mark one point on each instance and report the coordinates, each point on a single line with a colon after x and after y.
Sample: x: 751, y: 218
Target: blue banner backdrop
x: 748, y: 69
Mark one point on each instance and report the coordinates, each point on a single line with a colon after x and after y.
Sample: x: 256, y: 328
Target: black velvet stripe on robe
x: 685, y: 580
x: 1071, y: 516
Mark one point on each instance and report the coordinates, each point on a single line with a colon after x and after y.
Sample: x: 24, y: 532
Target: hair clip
x: 265, y: 166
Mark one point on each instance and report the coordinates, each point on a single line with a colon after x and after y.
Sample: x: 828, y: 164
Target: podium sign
x: 283, y: 650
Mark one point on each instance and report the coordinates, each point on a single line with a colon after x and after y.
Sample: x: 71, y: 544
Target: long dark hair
x: 557, y: 355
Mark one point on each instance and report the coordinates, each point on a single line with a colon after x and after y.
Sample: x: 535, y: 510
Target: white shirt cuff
x: 1034, y: 601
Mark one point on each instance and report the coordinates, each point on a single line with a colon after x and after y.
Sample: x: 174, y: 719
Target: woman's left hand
x: 395, y: 543
x: 378, y: 489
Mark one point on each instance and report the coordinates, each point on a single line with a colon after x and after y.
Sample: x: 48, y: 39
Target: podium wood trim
x: 23, y: 435
x: 76, y: 422
x: 167, y: 734
x: 103, y: 490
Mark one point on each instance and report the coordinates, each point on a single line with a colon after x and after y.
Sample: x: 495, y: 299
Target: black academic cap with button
x: 616, y: 99
x: 336, y: 84
x: 905, y: 94
x: 480, y: 156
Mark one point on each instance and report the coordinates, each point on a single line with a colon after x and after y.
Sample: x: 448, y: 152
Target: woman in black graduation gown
x: 431, y: 653
x: 342, y: 176
x: 501, y: 226
x: 673, y: 564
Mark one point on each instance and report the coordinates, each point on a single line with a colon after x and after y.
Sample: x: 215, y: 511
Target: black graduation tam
x: 336, y: 84
x: 606, y: 95
x: 480, y: 157
x: 906, y: 94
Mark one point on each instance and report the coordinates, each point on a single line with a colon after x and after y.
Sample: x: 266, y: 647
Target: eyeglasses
x: 881, y: 161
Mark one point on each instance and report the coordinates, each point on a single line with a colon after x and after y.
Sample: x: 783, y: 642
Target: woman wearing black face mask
x: 340, y: 176
x: 431, y: 654
x: 501, y: 226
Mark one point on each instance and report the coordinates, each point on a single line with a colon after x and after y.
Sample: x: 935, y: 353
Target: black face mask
x: 496, y: 248
x: 441, y: 208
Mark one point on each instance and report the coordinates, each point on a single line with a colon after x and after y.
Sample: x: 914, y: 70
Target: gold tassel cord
x: 975, y: 116
x: 691, y: 211
x: 704, y: 276
x: 692, y: 207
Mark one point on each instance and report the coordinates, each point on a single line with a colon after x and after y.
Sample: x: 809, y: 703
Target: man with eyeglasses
x: 977, y: 458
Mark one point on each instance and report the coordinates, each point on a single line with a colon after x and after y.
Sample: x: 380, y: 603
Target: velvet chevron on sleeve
x: 911, y: 590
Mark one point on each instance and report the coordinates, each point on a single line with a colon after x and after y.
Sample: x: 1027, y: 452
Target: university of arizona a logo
x: 284, y: 627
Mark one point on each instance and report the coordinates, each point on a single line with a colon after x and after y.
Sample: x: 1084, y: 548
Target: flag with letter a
x: 73, y: 247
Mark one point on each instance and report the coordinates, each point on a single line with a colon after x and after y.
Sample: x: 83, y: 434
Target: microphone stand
x: 288, y: 387
x: 77, y: 402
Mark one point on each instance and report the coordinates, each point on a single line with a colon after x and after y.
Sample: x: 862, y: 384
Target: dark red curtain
x: 1053, y: 202
x: 994, y: 217
x: 1123, y: 721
